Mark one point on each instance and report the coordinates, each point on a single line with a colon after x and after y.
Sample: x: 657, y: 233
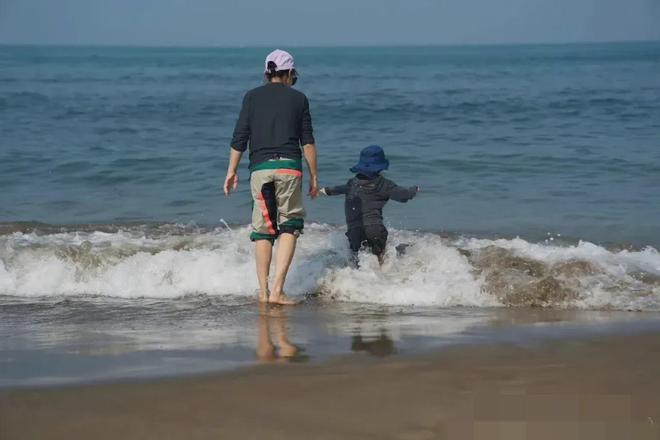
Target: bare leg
x: 264, y: 255
x: 286, y: 247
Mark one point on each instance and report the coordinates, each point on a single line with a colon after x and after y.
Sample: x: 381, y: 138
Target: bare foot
x: 282, y: 300
x: 263, y: 296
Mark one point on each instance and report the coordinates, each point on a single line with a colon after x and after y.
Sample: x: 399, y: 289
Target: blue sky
x: 337, y: 22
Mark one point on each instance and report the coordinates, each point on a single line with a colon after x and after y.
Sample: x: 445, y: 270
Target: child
x: 366, y: 194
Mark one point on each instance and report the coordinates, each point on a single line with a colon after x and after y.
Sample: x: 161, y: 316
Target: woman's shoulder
x: 270, y: 89
x: 295, y: 93
x: 256, y: 90
x: 298, y: 92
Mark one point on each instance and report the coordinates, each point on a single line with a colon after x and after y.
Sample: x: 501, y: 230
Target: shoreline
x: 312, y: 333
x: 577, y: 388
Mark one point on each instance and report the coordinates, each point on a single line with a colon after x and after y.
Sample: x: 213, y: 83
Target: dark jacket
x: 275, y: 122
x: 366, y: 198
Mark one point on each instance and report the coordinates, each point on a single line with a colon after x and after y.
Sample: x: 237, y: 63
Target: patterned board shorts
x: 276, y: 188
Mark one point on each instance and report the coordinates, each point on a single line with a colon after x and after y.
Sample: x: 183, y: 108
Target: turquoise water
x: 503, y: 140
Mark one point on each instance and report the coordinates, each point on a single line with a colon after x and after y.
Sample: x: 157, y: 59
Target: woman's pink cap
x: 282, y: 59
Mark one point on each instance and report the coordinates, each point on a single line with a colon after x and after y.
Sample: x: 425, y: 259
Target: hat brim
x: 370, y: 167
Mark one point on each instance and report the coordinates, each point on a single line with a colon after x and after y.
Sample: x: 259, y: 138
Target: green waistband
x: 278, y: 164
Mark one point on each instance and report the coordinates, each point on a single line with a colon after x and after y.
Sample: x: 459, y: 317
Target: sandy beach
x: 604, y: 387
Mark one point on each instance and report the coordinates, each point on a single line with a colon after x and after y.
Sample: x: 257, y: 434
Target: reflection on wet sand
x: 273, y: 343
x: 380, y: 346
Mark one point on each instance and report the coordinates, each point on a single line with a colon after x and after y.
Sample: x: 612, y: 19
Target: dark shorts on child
x: 373, y: 237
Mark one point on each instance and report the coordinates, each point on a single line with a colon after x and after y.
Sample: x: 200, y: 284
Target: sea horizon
x: 331, y: 46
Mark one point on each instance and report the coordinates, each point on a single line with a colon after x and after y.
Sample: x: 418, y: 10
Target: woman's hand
x: 313, y: 187
x: 309, y: 151
x: 231, y: 182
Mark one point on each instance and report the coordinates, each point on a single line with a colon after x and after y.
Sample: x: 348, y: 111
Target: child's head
x: 372, y: 161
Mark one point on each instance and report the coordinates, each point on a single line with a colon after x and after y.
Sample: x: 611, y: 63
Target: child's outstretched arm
x: 401, y: 194
x: 335, y: 190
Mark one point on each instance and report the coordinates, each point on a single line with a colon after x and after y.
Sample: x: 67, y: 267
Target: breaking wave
x: 170, y: 261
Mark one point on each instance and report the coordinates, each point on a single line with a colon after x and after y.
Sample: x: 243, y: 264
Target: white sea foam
x: 622, y: 280
x: 433, y: 271
x: 617, y: 263
x: 126, y: 265
x: 430, y: 273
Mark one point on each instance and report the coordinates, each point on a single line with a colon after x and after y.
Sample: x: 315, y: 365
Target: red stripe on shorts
x: 264, y: 212
x: 290, y: 172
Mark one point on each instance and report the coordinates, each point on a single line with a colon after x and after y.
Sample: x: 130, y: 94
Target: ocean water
x: 503, y: 140
x: 540, y: 176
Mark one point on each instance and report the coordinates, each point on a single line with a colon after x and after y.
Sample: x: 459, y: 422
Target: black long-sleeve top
x: 275, y: 122
x: 365, y: 199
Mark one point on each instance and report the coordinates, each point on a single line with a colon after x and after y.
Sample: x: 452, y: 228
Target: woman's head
x: 279, y: 67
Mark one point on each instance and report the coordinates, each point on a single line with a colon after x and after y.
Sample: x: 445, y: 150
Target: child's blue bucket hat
x: 372, y: 161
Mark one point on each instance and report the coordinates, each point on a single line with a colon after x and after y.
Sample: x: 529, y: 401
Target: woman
x: 275, y: 122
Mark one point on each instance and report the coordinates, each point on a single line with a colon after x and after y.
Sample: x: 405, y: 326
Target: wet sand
x: 598, y: 388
